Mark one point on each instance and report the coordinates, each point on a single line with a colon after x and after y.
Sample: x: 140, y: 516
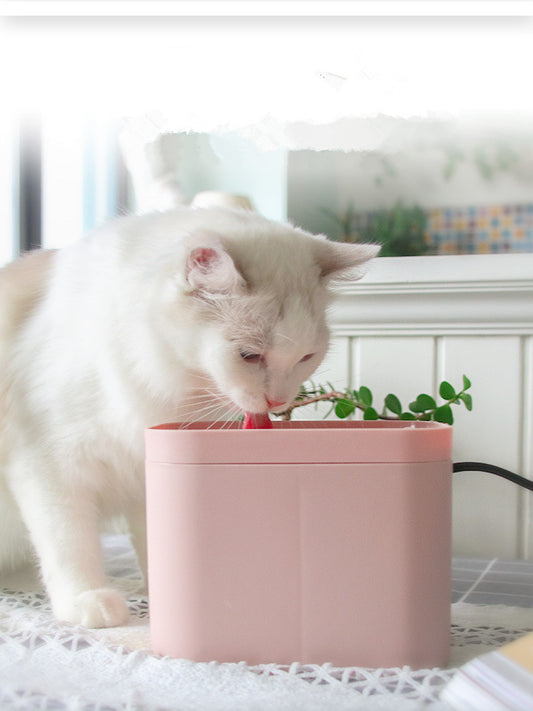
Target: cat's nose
x: 274, y: 403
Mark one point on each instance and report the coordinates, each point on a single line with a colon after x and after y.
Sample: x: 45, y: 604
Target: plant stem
x: 332, y: 396
x: 319, y: 394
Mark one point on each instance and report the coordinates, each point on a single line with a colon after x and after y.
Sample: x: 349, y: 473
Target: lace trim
x: 46, y: 665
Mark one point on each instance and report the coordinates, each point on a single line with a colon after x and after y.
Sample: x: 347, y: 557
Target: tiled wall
x: 481, y: 230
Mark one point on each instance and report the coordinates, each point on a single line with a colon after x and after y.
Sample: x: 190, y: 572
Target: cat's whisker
x: 203, y: 409
x: 211, y: 407
x: 205, y: 394
x: 196, y: 415
x: 198, y: 400
x: 198, y: 396
x: 229, y: 418
x: 233, y: 417
x: 206, y: 403
x: 226, y: 423
x: 204, y: 391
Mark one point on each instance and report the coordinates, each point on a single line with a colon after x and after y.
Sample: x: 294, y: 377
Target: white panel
x: 334, y: 369
x: 486, y: 508
x: 403, y: 366
x: 478, y: 312
x: 415, y: 296
x: 527, y: 444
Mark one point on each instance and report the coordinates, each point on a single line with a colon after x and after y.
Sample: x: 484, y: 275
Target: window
x: 61, y: 179
x: 80, y: 178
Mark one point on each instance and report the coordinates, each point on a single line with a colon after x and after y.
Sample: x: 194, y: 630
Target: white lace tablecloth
x: 50, y: 666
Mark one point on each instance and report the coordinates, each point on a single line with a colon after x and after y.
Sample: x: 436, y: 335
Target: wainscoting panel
x: 490, y: 433
x: 412, y: 322
x: 375, y: 362
x: 527, y: 444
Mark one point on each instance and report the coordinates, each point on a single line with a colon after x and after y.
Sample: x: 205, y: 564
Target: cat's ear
x: 210, y: 269
x: 343, y: 260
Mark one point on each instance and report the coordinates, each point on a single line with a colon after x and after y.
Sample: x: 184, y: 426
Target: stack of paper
x: 497, y: 681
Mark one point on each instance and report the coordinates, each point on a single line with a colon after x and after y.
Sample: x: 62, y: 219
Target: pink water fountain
x: 314, y: 542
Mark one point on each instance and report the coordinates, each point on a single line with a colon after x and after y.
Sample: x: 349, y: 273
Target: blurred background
x: 415, y: 132
x: 473, y: 197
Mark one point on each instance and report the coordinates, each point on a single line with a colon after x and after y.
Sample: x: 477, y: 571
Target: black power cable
x: 493, y: 469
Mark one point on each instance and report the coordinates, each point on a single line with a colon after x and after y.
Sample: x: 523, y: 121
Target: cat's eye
x: 306, y: 357
x: 251, y: 357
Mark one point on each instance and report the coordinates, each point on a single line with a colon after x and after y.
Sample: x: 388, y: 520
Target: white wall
x: 413, y: 322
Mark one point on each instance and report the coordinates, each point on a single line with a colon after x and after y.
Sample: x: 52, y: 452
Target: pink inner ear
x: 203, y: 257
x: 211, y: 269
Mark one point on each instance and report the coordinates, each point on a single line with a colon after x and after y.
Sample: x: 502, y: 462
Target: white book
x: 498, y: 681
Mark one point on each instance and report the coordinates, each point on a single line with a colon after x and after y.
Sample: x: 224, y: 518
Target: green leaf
x: 444, y: 414
x: 466, y: 383
x: 370, y: 414
x: 415, y: 407
x: 407, y: 416
x: 467, y: 399
x: 393, y: 404
x: 344, y: 408
x: 425, y: 402
x: 365, y: 396
x: 446, y: 391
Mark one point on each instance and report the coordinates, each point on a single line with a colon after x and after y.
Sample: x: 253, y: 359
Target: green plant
x: 399, y: 230
x: 424, y: 407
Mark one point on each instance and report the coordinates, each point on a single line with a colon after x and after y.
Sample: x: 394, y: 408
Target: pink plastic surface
x: 313, y: 542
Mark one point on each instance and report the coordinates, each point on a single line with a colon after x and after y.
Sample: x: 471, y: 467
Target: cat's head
x: 258, y: 300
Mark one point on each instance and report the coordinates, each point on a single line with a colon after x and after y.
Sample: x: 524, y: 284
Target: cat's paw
x: 103, y: 607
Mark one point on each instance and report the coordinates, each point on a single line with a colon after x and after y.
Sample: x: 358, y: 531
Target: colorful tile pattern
x: 490, y: 229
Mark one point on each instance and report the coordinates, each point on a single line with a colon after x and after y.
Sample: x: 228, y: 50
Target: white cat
x: 152, y: 319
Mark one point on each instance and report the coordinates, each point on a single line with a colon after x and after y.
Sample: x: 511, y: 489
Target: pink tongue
x: 256, y: 421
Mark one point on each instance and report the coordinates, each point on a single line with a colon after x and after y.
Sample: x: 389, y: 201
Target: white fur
x: 142, y: 322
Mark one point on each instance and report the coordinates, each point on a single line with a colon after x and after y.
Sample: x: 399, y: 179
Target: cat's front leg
x: 136, y: 517
x: 63, y: 523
